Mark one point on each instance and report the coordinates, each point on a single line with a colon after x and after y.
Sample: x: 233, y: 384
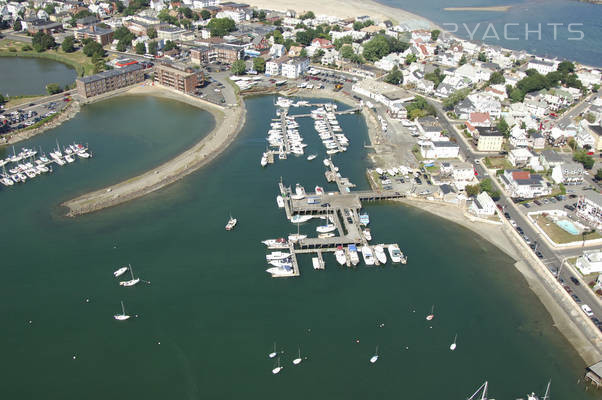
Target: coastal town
x: 494, y: 139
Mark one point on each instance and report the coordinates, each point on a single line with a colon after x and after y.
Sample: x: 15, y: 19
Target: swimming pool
x: 568, y: 226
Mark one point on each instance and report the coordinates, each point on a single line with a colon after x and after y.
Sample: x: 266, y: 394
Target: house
x: 589, y: 208
x: 589, y: 135
x: 523, y: 184
x: 590, y: 262
x: 477, y: 119
x: 272, y: 67
x: 488, y: 139
x: 439, y: 150
x: 86, y: 21
x: 277, y: 50
x: 549, y: 159
x: 459, y: 173
x: 518, y: 137
x: 221, y: 52
x: 519, y: 157
x: 295, y: 51
x: 429, y: 128
x: 322, y: 43
x: 484, y: 102
x: 293, y: 69
x: 542, y: 66
x: 568, y: 173
x: 538, y: 142
x: 170, y: 32
x: 483, y: 205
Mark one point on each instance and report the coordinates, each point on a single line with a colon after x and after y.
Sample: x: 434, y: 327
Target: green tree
x: 2, y: 99
x: 17, y: 27
x: 152, y: 33
x: 472, y: 190
x: 454, y: 98
x: 304, y: 37
x: 153, y: 47
x: 303, y: 53
x: 238, y: 67
x: 186, y: 11
x: 169, y: 45
x: 261, y: 15
x: 140, y: 48
x: 497, y: 78
x: 410, y: 58
x: 395, y: 77
x: 590, y: 117
x: 278, y: 38
x: 516, y: 95
x: 582, y: 157
x: 121, y: 46
x: 50, y: 9
x: 220, y: 27
x: 68, y: 44
x: 338, y: 43
x: 42, y: 41
x: 503, y: 127
x: 463, y: 60
x: 205, y: 14
x: 92, y: 48
x: 259, y: 64
x: 566, y: 67
x: 595, y: 88
x: 317, y: 57
x: 436, y: 76
x: 482, y: 57
x: 308, y: 15
x: 347, y: 52
x: 435, y: 34
x: 53, y: 88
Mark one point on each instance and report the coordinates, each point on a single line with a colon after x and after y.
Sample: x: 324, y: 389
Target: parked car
x: 574, y: 280
x: 569, y: 207
x: 538, y: 254
x: 587, y: 310
x: 537, y: 202
x: 526, y: 205
x: 507, y: 215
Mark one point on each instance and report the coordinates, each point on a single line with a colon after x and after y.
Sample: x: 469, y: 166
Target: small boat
x: 273, y: 353
x: 353, y: 256
x: 452, y: 347
x: 326, y: 228
x: 379, y: 252
x: 279, y: 243
x: 311, y: 157
x: 277, y: 255
x: 283, y: 263
x: 295, y: 237
x: 132, y: 281
x: 69, y: 158
x: 299, y: 219
x: 278, y: 368
x: 298, y: 360
x: 319, y: 190
x: 367, y: 234
x: 280, y: 201
x: 326, y: 235
x: 326, y: 162
x: 340, y: 255
x: 280, y: 271
x: 367, y: 255
x: 364, y: 219
x: 299, y: 193
x: 432, y: 314
x: 122, y: 316
x: 316, y: 263
x: 83, y: 154
x: 374, y: 358
x: 264, y: 160
x: 231, y: 223
x: 395, y: 254
x: 120, y: 272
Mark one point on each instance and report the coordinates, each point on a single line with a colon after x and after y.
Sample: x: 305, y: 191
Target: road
x: 40, y: 101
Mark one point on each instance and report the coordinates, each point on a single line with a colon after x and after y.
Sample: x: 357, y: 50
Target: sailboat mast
x: 122, y: 308
x: 131, y: 271
x: 547, y: 395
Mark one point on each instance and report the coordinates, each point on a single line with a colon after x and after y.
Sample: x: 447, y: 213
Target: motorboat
x: 319, y: 190
x: 353, y: 256
x: 340, y: 255
x: 311, y: 157
x: 277, y: 255
x: 281, y: 263
x: 295, y: 237
x: 299, y: 193
x: 231, y: 223
x: 122, y: 316
x: 317, y: 264
x: 367, y: 234
x: 69, y: 158
x: 285, y: 270
x: 326, y: 235
x: 364, y: 219
x: 280, y: 201
x: 120, y: 272
x: 326, y: 228
x: 396, y: 254
x: 367, y: 255
x: 379, y: 252
x: 279, y: 243
x: 326, y: 162
x: 299, y: 219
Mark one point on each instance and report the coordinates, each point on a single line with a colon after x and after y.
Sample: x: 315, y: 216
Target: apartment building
x: 94, y: 85
x: 183, y: 80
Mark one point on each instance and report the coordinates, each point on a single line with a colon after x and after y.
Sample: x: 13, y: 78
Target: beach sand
x: 347, y: 9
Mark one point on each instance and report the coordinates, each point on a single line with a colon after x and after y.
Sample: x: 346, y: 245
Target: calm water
x: 210, y: 315
x: 525, y: 13
x: 28, y: 76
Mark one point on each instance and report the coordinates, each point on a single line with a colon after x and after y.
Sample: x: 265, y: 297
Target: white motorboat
x: 231, y: 223
x: 83, y: 154
x: 295, y: 237
x: 367, y: 234
x: 299, y: 219
x: 396, y: 254
x: 326, y: 162
x: 277, y: 255
x: 120, y: 272
x: 326, y: 228
x: 280, y: 271
x: 69, y: 158
x: 299, y: 193
x: 283, y: 263
x: 278, y: 368
x: 379, y: 252
x: 453, y: 346
x: 264, y: 160
x: 367, y: 255
x: 316, y: 263
x: 280, y: 201
x: 279, y: 243
x: 122, y: 316
x: 353, y: 256
x: 374, y: 358
x: 326, y: 235
x: 273, y: 353
x: 340, y: 255
x: 319, y: 190
x: 311, y: 157
x: 298, y: 360
x: 132, y: 281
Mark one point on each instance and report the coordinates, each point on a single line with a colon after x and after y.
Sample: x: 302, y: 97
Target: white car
x: 513, y: 223
x: 587, y: 310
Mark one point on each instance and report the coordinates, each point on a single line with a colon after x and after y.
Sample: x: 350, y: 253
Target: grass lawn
x: 374, y: 177
x: 497, y: 163
x: 559, y: 235
x: 18, y: 100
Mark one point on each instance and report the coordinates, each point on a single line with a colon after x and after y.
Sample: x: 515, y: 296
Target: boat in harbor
x: 367, y: 234
x: 367, y: 255
x: 326, y: 228
x: 396, y: 254
x: 279, y: 243
x: 298, y: 360
x: 284, y: 262
x: 277, y: 255
x: 264, y: 159
x: 120, y: 272
x: 286, y: 270
x: 132, y: 281
x: 69, y: 158
x: 122, y: 316
x: 278, y: 368
x: 432, y: 314
x: 353, y: 255
x: 374, y: 358
x: 452, y: 347
x: 231, y: 223
x: 311, y: 157
x: 319, y: 190
x: 273, y: 353
x: 316, y: 263
x: 326, y: 162
x: 379, y: 252
x: 326, y: 235
x: 280, y: 201
x: 340, y: 255
x: 299, y: 219
x: 364, y: 219
x: 299, y: 193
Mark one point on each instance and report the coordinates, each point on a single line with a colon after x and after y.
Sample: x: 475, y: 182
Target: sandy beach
x: 347, y: 9
x: 492, y: 8
x: 228, y: 123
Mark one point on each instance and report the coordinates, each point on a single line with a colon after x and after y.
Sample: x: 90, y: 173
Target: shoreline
x: 228, y: 123
x: 491, y: 8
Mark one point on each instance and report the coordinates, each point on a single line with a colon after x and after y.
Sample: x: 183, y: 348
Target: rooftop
x: 109, y: 73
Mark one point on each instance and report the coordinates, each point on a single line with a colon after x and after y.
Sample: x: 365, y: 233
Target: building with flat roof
x: 488, y: 139
x: 98, y: 34
x: 183, y: 80
x: 107, y: 81
x: 223, y: 53
x: 589, y: 208
x: 590, y: 262
x: 41, y: 25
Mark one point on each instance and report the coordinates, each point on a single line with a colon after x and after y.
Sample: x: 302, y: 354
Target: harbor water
x: 29, y: 76
x: 206, y: 313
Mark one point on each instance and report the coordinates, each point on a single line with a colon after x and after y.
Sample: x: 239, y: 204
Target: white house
x: 272, y: 68
x: 294, y: 68
x: 483, y: 205
x: 439, y: 150
x: 589, y: 208
x: 277, y: 50
x: 523, y: 184
x: 590, y: 262
x: 542, y: 66
x: 568, y: 173
x: 519, y: 156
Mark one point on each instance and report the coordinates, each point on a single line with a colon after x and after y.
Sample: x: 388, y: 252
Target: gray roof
x: 110, y: 73
x: 595, y: 197
x: 551, y: 156
x: 596, y: 368
x: 445, y: 144
x: 487, y: 131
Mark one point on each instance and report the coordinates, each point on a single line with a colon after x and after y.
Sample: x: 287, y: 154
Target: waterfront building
x: 222, y: 53
x: 98, y: 34
x: 184, y: 80
x: 294, y: 68
x: 390, y: 96
x: 524, y: 184
x: 439, y: 149
x: 589, y: 208
x: 542, y: 66
x: 483, y: 205
x: 487, y: 139
x: 94, y: 85
x: 590, y: 262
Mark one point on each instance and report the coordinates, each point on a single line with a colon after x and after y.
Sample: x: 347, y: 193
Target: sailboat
x: 122, y: 316
x: 278, y: 368
x: 132, y: 281
x: 374, y: 358
x: 452, y: 347
x: 273, y: 353
x: 295, y: 237
x: 432, y: 314
x: 298, y: 360
x: 483, y: 387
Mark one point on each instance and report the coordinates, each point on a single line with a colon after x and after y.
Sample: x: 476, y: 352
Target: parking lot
x: 30, y: 113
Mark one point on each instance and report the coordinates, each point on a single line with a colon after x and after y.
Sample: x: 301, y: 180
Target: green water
x: 29, y: 76
x: 214, y: 310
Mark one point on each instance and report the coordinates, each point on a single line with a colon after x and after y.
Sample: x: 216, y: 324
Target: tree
x: 381, y: 45
x: 259, y: 64
x: 42, y: 41
x: 308, y: 15
x: 152, y: 47
x: 338, y: 43
x: 456, y: 97
x: 436, y: 76
x: 595, y: 88
x: 503, y: 127
x: 151, y: 32
x: 582, y: 157
x: 238, y: 67
x: 410, y: 58
x: 435, y: 34
x: 278, y: 38
x: 317, y: 57
x: 186, y: 11
x: 50, y: 9
x: 590, y: 117
x: 17, y: 27
x: 482, y: 57
x: 395, y: 77
x: 347, y: 52
x: 119, y: 5
x: 2, y: 100
x: 140, y: 48
x: 169, y: 45
x: 304, y: 37
x: 205, y: 14
x: 261, y: 15
x: 303, y: 53
x: 220, y: 27
x: 93, y: 48
x: 121, y: 46
x: 68, y: 44
x: 497, y: 78
x: 53, y: 88
x: 463, y: 60
x: 566, y: 67
x: 472, y: 190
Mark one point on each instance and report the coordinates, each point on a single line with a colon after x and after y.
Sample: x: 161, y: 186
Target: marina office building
x: 183, y: 80
x: 94, y: 85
